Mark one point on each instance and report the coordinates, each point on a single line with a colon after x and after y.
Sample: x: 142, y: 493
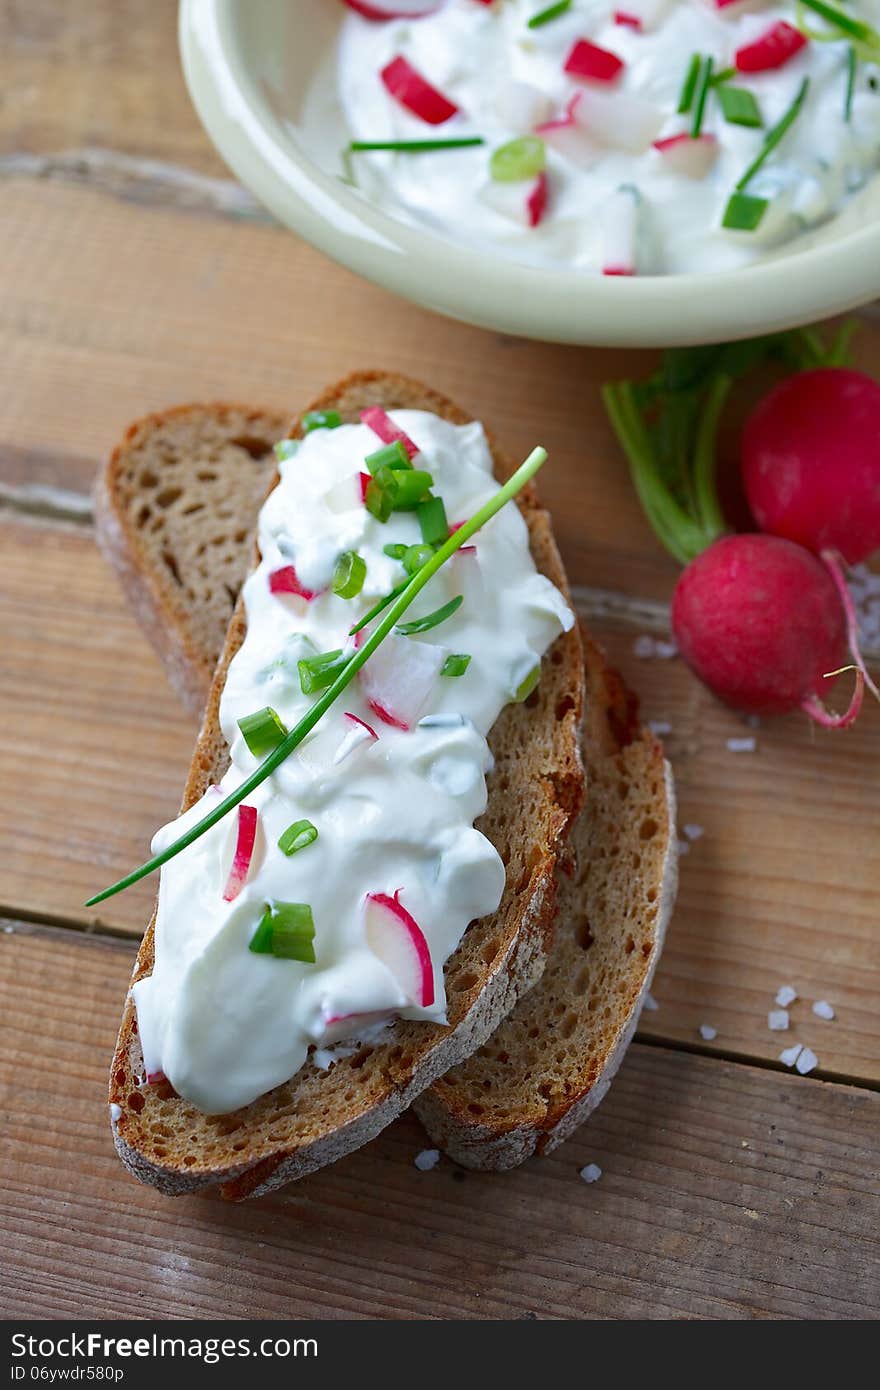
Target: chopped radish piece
x: 244, y: 850
x: 399, y: 677
x: 619, y: 228
x: 338, y: 1027
x: 569, y: 139
x: 408, y: 87
x: 393, y: 9
x: 521, y: 107
x: 347, y: 494
x: 690, y: 155
x: 629, y: 21
x: 400, y: 944
x: 642, y: 15
x: 359, y: 734
x: 536, y: 202
x: 364, y: 479
x: 381, y: 423
x: 592, y: 63
x: 619, y: 119
x: 286, y: 581
x: 156, y: 1078
x: 772, y: 50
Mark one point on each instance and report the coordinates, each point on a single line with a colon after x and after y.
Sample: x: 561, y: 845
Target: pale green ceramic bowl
x: 251, y: 67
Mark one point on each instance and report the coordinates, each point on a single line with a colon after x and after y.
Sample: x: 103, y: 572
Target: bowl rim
x: 469, y: 284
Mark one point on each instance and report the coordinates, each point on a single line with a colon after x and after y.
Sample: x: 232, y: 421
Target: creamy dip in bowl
x: 586, y: 165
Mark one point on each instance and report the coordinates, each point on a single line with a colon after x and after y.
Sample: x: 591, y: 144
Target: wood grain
x: 727, y: 1192
x: 777, y: 890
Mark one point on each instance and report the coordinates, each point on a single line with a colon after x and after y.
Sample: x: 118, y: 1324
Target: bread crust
x: 163, y: 1140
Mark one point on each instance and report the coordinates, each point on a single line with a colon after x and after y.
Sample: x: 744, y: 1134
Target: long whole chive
x: 317, y: 672
x: 358, y: 658
x: 377, y: 608
x: 551, y: 12
x: 700, y: 95
x: 689, y: 85
x: 391, y: 455
x: 773, y: 136
x: 320, y: 420
x: 297, y: 837
x: 349, y: 574
x: 459, y: 142
x: 851, y: 65
x: 455, y: 664
x: 431, y: 619
x: 856, y: 28
x: 262, y: 731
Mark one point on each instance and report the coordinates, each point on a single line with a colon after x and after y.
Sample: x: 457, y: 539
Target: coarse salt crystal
x: 822, y: 1009
x: 789, y: 1055
x: 694, y: 832
x: 777, y: 1020
x: 647, y: 647
x: 650, y: 1004
x: 741, y: 745
x: 806, y: 1061
x: 592, y: 1172
x: 785, y: 995
x: 427, y: 1159
x: 707, y: 1032
x: 659, y: 727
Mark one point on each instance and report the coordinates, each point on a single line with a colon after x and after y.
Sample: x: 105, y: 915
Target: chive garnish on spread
x: 461, y: 142
x: 551, y: 12
x: 349, y: 574
x: 851, y: 68
x: 430, y: 619
x: 739, y: 107
x: 286, y: 930
x: 358, y: 658
x: 689, y: 85
x: 297, y: 837
x: 262, y: 731
x: 745, y: 213
x: 701, y: 94
x: 455, y: 664
x: 318, y: 420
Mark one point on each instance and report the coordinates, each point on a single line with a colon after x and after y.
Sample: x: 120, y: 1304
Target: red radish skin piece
x: 387, y: 717
x: 410, y: 89
x: 568, y: 137
x: 810, y: 462
x: 358, y: 735
x: 381, y: 423
x: 760, y: 621
x: 591, y: 63
x: 398, y: 941
x: 394, y: 9
x: 156, y: 1078
x: 536, y: 202
x: 363, y: 724
x: 629, y: 21
x: 617, y: 270
x: 244, y: 851
x: 364, y: 479
x: 772, y: 50
x: 286, y: 581
x: 399, y: 678
x: 692, y: 156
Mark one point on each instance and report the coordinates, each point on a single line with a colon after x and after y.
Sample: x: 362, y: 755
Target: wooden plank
x: 727, y: 1192
x: 780, y: 889
x: 104, y: 73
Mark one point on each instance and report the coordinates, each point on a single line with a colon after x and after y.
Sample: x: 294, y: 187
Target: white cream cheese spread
x: 393, y: 807
x: 615, y: 195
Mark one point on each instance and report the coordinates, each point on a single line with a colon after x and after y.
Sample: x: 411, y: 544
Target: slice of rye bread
x: 535, y: 794
x: 551, y: 1061
x: 586, y: 1006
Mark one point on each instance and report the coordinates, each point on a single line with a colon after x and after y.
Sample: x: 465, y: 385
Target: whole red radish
x: 811, y: 461
x: 760, y: 621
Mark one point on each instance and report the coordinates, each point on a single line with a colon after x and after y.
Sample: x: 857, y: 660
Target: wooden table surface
x: 133, y: 274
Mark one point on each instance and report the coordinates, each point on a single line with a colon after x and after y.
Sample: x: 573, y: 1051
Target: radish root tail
x: 813, y: 706
x: 833, y: 562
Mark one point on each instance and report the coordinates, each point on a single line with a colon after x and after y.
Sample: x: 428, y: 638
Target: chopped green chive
x: 551, y: 12
x: 320, y: 420
x: 773, y: 136
x: 460, y: 142
x: 723, y: 75
x: 391, y: 455
x: 317, y: 672
x: 349, y: 574
x: 297, y: 836
x: 415, y: 556
x: 700, y: 95
x: 738, y: 106
x: 689, y: 85
x: 377, y: 608
x: 455, y: 664
x: 358, y: 658
x: 285, y: 449
x: 518, y: 159
x: 285, y: 930
x: 851, y: 65
x: 431, y: 516
x: 430, y: 619
x: 525, y: 688
x: 406, y: 488
x: 846, y: 24
x: 395, y: 551
x: 377, y: 500
x: 262, y: 731
x: 743, y: 212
